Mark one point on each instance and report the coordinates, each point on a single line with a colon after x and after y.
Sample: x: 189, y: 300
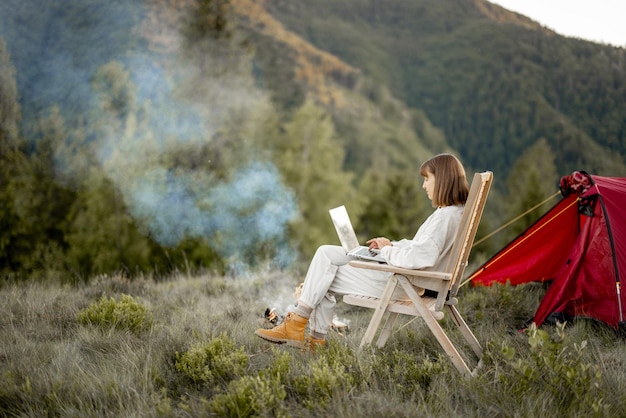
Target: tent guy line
x: 514, y: 220
x: 512, y: 247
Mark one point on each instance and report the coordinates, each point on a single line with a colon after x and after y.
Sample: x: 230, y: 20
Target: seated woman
x: 329, y: 273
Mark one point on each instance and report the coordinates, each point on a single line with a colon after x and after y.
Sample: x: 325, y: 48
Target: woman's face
x: 429, y: 184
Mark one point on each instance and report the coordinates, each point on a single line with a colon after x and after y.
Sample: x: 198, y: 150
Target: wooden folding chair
x: 446, y: 283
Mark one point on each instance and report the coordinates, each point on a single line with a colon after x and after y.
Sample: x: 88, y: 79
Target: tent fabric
x: 538, y: 253
x: 579, y: 245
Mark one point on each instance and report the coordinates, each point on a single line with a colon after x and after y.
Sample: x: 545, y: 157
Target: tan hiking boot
x: 312, y: 344
x: 290, y: 332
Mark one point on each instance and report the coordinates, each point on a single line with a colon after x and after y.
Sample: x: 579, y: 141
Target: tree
x: 13, y: 171
x: 10, y: 112
x: 532, y: 179
x: 395, y: 204
x: 114, y: 88
x: 101, y: 235
x: 310, y: 159
x: 45, y: 202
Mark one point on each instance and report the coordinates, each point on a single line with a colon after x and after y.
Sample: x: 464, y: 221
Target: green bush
x: 321, y: 383
x: 251, y: 397
x: 126, y: 313
x: 556, y: 367
x: 280, y: 366
x: 212, y: 362
x: 407, y: 373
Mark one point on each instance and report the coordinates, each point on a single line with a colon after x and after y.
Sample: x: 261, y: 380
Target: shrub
x: 217, y: 360
x: 408, y: 374
x: 557, y: 368
x: 280, y: 366
x: 126, y: 313
x: 315, y: 388
x: 251, y: 397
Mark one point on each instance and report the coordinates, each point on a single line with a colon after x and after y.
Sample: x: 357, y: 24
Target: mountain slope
x: 417, y: 76
x: 493, y: 81
x: 364, y: 111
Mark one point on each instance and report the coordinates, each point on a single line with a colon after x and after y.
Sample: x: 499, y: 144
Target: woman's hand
x: 378, y: 243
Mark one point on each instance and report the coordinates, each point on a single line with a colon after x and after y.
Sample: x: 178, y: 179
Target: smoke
x: 56, y: 47
x: 240, y: 215
x: 178, y: 102
x: 236, y: 217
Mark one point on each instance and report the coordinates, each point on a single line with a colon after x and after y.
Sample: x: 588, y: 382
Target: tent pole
x: 615, y: 267
x: 619, y: 302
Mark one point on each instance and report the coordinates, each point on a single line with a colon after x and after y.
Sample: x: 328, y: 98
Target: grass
x: 185, y: 347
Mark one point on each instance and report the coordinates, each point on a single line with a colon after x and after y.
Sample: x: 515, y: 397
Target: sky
x: 600, y: 21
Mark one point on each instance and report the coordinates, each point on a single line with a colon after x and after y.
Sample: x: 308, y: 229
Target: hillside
x: 147, y: 117
x: 364, y: 111
x: 493, y: 81
x: 454, y: 74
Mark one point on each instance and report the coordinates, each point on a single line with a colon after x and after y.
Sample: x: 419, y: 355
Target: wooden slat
x: 405, y: 307
x: 371, y: 265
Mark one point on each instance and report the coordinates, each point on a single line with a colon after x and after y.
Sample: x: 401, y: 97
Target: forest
x: 214, y: 135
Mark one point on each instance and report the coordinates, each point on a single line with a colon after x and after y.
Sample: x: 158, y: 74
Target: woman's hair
x: 451, y: 187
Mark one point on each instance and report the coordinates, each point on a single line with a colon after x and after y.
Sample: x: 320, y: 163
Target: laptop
x: 348, y: 238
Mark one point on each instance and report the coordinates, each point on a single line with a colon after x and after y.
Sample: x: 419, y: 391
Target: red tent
x: 579, y: 244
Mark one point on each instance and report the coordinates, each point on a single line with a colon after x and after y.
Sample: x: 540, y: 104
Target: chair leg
x: 465, y: 330
x: 435, y: 328
x: 379, y: 312
x: 387, y: 328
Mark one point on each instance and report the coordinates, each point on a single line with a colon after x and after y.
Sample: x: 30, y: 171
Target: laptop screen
x: 342, y: 223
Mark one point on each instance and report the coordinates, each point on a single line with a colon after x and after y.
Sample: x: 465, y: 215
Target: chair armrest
x: 370, y: 265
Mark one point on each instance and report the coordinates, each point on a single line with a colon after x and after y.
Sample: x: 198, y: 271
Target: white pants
x: 329, y: 274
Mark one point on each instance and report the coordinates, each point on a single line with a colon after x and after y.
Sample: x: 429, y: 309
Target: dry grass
x: 53, y: 364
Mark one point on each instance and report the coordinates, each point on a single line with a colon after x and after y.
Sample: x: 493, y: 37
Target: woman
x: 329, y: 272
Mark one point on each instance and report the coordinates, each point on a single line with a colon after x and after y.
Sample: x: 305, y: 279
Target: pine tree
x: 395, y: 204
x: 532, y: 179
x: 101, y: 235
x: 14, y: 167
x: 310, y: 159
x: 10, y: 112
x: 46, y: 201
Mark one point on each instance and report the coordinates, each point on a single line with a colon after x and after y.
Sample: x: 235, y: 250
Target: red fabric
x: 586, y: 285
x: 613, y: 193
x: 536, y: 255
x: 586, y: 256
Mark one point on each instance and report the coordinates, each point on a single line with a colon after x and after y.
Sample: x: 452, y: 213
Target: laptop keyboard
x: 366, y: 251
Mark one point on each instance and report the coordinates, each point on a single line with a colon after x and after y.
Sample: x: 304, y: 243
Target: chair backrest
x: 481, y: 184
